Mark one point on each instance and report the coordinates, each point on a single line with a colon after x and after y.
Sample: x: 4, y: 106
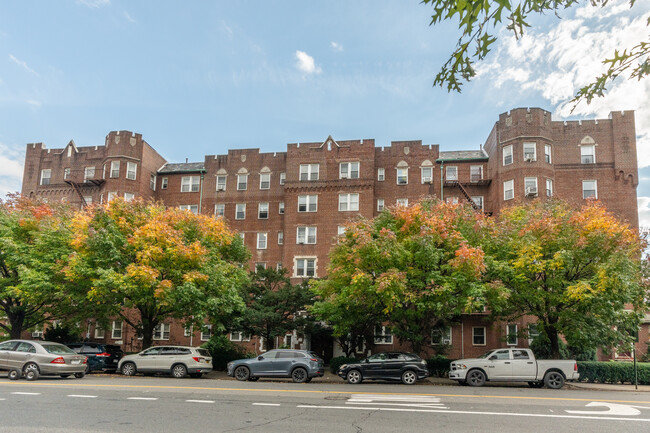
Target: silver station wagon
x: 179, y: 361
x: 33, y: 358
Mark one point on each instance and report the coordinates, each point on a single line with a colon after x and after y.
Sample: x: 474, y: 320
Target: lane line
x: 429, y: 405
x: 81, y: 396
x: 26, y: 393
x: 200, y: 401
x: 266, y: 404
x: 310, y: 391
x: 463, y: 412
x: 142, y: 398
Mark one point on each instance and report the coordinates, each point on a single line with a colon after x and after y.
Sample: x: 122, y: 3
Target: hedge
x: 439, y: 365
x: 223, y: 351
x: 336, y: 363
x: 613, y: 372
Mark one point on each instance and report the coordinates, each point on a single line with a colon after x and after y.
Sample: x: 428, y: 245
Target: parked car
x: 405, y: 367
x: 179, y: 361
x: 101, y: 357
x: 33, y: 358
x: 300, y: 365
x: 513, y: 365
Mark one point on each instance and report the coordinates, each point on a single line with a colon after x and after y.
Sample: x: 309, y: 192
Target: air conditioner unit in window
x: 344, y: 176
x: 530, y: 191
x: 37, y: 334
x: 301, y: 242
x: 427, y: 180
x: 221, y: 188
x: 529, y: 158
x: 446, y: 341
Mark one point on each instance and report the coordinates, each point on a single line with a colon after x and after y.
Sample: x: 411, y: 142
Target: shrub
x: 613, y: 372
x: 439, y: 365
x: 337, y: 362
x: 541, y: 347
x: 223, y: 351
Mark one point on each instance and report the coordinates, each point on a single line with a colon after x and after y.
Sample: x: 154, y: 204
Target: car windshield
x: 58, y: 349
x: 486, y: 354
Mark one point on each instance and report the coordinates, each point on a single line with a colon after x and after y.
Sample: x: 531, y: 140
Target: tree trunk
x: 16, y: 317
x: 148, y: 326
x: 554, y: 338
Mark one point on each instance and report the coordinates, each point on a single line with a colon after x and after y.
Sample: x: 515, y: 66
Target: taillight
x: 85, y: 360
x: 58, y: 360
x: 314, y: 359
x: 103, y: 354
x: 575, y: 367
x: 197, y: 358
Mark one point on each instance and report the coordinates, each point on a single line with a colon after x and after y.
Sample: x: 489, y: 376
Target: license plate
x: 76, y: 361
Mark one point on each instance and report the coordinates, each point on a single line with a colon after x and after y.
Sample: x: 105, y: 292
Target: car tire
x: 308, y: 379
x: 354, y: 377
x: 409, y: 377
x: 299, y: 375
x: 128, y: 369
x: 64, y: 375
x: 31, y: 374
x: 476, y: 378
x: 30, y: 366
x: 14, y: 374
x: 242, y: 373
x: 536, y: 384
x: 196, y: 375
x: 554, y: 380
x: 179, y: 371
x: 253, y: 379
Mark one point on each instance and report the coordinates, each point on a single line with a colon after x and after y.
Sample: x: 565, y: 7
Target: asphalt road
x: 109, y: 403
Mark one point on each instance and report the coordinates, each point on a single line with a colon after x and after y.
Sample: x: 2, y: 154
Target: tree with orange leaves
x: 158, y: 262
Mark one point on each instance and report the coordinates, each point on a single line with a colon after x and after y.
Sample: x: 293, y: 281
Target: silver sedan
x: 33, y: 358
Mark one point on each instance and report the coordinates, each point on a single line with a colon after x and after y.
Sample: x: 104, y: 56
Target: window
x: 280, y: 238
x: 478, y: 201
x: 547, y: 153
x: 507, y: 154
x: 206, y: 332
x: 45, y: 176
x: 111, y: 195
x: 278, y: 266
x: 265, y: 180
x: 239, y: 336
x: 509, y: 189
x: 261, y: 241
x: 349, y: 170
x: 533, y: 332
x: 89, y: 173
x: 260, y: 266
x: 104, y: 171
x: 307, y: 203
x: 348, y: 202
x: 426, y: 174
x: 240, y: 211
x: 128, y: 196
x: 452, y: 200
x: 588, y: 154
x: 115, y: 169
x: 242, y: 235
x: 281, y: 208
x: 306, y: 235
x: 341, y: 230
x: 263, y: 211
x: 99, y: 331
x: 163, y: 183
x: 511, y: 334
x: 88, y: 199
x: 381, y: 174
x: 161, y: 331
x: 402, y: 202
x: 194, y: 208
x: 131, y: 168
x: 242, y: 182
x: 221, y: 183
x: 305, y: 267
x: 520, y: 354
x: 549, y: 187
x: 309, y: 172
x: 190, y: 183
x: 530, y: 152
x: 451, y: 172
x: 219, y: 209
x: 283, y: 178
x: 475, y: 173
x: 478, y: 336
x: 187, y: 330
x: 589, y: 189
x: 530, y: 186
x: 380, y: 204
x: 66, y: 173
x: 402, y: 176
x: 383, y: 335
x: 116, y: 330
x: 152, y: 181
x: 441, y: 335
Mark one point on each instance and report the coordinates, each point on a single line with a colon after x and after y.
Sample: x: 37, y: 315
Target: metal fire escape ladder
x: 467, y: 196
x: 75, y: 186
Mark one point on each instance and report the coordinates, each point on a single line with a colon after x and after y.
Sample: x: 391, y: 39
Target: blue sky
x: 199, y: 78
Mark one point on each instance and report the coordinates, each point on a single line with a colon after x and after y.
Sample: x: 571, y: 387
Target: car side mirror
x: 259, y: 358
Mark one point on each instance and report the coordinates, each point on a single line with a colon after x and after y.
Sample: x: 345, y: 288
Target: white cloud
x: 22, y: 64
x: 34, y: 103
x: 644, y: 211
x: 94, y: 3
x: 336, y: 46
x: 306, y: 63
x: 129, y: 17
x: 11, y: 161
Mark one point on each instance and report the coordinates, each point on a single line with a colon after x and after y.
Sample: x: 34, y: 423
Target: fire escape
x: 476, y: 179
x: 80, y: 187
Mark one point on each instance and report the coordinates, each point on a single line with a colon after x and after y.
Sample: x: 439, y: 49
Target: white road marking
x: 266, y: 404
x: 143, y: 398
x: 26, y: 393
x: 464, y: 412
x: 421, y: 401
x: 200, y: 401
x: 612, y: 409
x: 432, y: 405
x: 81, y: 396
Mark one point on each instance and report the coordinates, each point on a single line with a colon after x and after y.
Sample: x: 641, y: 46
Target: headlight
x: 460, y: 366
x: 229, y: 365
x: 343, y: 367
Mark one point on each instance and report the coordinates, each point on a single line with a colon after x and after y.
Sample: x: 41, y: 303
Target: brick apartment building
x: 290, y: 206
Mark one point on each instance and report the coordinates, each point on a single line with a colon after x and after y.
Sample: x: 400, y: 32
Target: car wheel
x: 476, y: 378
x: 31, y: 374
x: 253, y: 379
x: 128, y: 369
x: 536, y: 384
x: 14, y: 374
x: 80, y: 375
x: 353, y: 377
x: 64, y: 375
x: 196, y: 375
x: 242, y: 373
x: 299, y: 375
x: 554, y: 380
x: 30, y: 366
x: 409, y: 377
x: 179, y: 371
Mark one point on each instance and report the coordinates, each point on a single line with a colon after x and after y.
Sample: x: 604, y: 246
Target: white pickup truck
x: 513, y: 365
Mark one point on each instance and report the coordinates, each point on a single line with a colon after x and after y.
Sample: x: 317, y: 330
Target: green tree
x: 157, y: 262
x: 34, y: 245
x: 578, y: 271
x: 478, y: 21
x: 412, y: 267
x: 273, y: 305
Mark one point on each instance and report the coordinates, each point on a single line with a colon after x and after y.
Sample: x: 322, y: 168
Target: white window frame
x: 529, y: 189
x: 240, y: 208
x: 347, y: 202
x: 441, y: 336
x: 164, y: 182
x: 384, y: 336
x: 474, y: 343
x: 281, y: 208
x: 508, y: 156
x: 340, y: 230
x: 349, y: 170
x: 222, y: 180
x: 263, y: 211
x: 66, y: 173
x: 115, y: 331
x: 595, y: 190
x: 472, y: 175
x: 548, y: 156
x: 308, y: 199
x: 280, y: 238
x: 242, y: 182
x: 131, y: 170
x: 89, y: 173
x: 426, y: 175
x: 129, y: 196
x: 262, y: 240
x: 509, y: 185
x: 152, y: 181
x: 220, y: 209
x: 533, y: 332
x: 161, y: 331
x: 110, y: 196
x: 206, y: 333
x: 239, y: 336
x: 46, y: 180
x: 190, y: 183
x: 88, y: 199
x: 549, y: 187
x: 309, y: 172
x: 115, y: 170
x: 402, y: 202
x: 402, y: 175
x: 283, y: 178
x: 306, y: 235
x: 451, y: 172
x: 100, y: 332
x: 587, y: 158
x: 305, y: 266
x: 194, y: 208
x: 511, y: 333
x: 527, y: 147
x: 380, y: 204
x: 265, y: 181
x: 381, y: 174
x: 479, y: 201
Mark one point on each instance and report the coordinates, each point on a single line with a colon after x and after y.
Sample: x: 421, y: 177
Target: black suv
x: 406, y: 367
x: 101, y: 357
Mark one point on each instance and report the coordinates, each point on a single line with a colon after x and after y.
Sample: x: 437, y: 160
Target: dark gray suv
x: 299, y: 365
